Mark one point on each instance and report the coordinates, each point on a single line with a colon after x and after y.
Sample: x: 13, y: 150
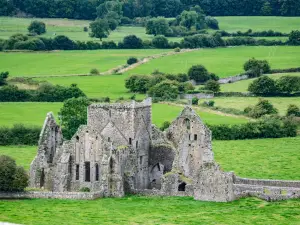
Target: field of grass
x: 260, y: 158
x: 67, y: 62
x: 223, y: 61
x: 34, y: 113
x: 242, y: 86
x: 149, y: 210
x: 281, y: 103
x: 27, y: 113
x: 258, y: 23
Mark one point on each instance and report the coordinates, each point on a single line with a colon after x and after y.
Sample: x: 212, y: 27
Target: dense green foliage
x: 99, y: 29
x: 165, y: 90
x: 46, y: 92
x: 3, y: 77
x: 293, y: 110
x: 263, y: 85
x: 37, y: 27
x: 12, y: 178
x: 72, y: 115
x: 256, y: 67
x: 213, y: 86
x: 263, y: 107
x: 132, y: 60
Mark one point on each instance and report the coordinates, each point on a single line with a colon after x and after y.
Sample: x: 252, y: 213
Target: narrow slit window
x: 137, y: 144
x: 97, y: 171
x: 195, y: 137
x: 130, y: 141
x: 77, y: 172
x: 87, y: 171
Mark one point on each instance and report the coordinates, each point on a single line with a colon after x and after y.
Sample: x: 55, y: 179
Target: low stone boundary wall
x: 54, y: 195
x: 197, y: 95
x: 233, y: 79
x: 265, y: 182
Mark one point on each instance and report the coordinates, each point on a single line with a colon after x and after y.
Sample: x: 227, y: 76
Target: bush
x: 37, y: 27
x: 3, y: 77
x: 160, y: 42
x: 12, y: 178
x: 195, y: 101
x: 263, y: 86
x: 165, y: 90
x: 32, y: 44
x: 138, y: 83
x: 198, y: 73
x: 263, y: 107
x: 260, y: 66
x: 132, y: 60
x: 84, y: 189
x: 62, y: 42
x: 165, y: 125
x: 94, y: 71
x: 132, y: 42
x: 177, y: 49
x: 212, y: 22
x: 212, y: 85
x: 294, y: 37
x: 85, y: 29
x: 293, y: 110
x: 288, y: 84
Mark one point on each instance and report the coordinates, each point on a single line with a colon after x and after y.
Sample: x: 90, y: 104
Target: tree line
x: 91, y: 9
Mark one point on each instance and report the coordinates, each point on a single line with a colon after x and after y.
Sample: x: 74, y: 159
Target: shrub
x: 288, y: 84
x: 165, y: 90
x: 138, y: 83
x: 12, y: 178
x: 132, y: 60
x: 198, y: 73
x: 32, y: 44
x: 260, y: 66
x: 165, y: 125
x: 160, y: 42
x: 182, y: 77
x: 263, y: 86
x: 84, y: 189
x: 177, y: 49
x: 94, y: 71
x: 3, y: 77
x: 195, y: 101
x: 37, y: 27
x: 209, y: 103
x: 212, y: 22
x: 85, y: 29
x: 132, y: 42
x: 62, y: 42
x: 212, y: 85
x: 294, y: 37
x: 263, y: 107
x: 293, y: 110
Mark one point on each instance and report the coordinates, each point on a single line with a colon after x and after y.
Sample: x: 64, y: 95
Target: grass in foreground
x: 240, y: 103
x: 67, y: 62
x: 149, y: 210
x: 260, y: 158
x: 242, y: 86
x: 223, y: 61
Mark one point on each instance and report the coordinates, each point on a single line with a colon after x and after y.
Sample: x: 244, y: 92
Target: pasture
x: 21, y: 64
x: 34, y: 113
x: 280, y: 103
x: 149, y: 210
x: 223, y: 61
x: 242, y: 86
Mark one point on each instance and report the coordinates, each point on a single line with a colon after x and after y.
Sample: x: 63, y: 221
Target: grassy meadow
x: 223, y: 61
x: 242, y: 86
x: 280, y: 103
x: 21, y: 64
x: 149, y: 210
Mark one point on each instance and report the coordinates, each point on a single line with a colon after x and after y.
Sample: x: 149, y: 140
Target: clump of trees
x: 266, y: 86
x: 255, y: 67
x: 200, y: 74
x: 263, y: 107
x: 37, y: 27
x: 12, y: 177
x: 293, y: 110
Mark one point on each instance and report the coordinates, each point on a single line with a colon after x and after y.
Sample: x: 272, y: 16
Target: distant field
x: 34, y: 113
x: 258, y: 23
x: 260, y: 158
x: 223, y: 61
x: 67, y: 62
x: 242, y: 86
x: 281, y: 103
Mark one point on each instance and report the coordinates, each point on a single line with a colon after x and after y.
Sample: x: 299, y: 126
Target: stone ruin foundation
x: 120, y: 151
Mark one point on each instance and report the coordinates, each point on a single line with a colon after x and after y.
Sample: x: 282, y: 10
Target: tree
x: 72, y: 115
x: 293, y: 110
x: 132, y: 42
x: 63, y: 42
x: 37, y: 27
x: 212, y: 22
x: 99, y: 29
x: 195, y: 101
x: 132, y: 60
x: 3, y: 77
x: 12, y: 178
x: 160, y: 42
x: 157, y: 26
x: 294, y: 37
x: 257, y: 67
x: 263, y: 107
x: 108, y: 7
x: 288, y: 84
x: 263, y: 86
x: 198, y: 73
x: 165, y: 90
x: 139, y: 84
x: 212, y: 85
x: 266, y: 9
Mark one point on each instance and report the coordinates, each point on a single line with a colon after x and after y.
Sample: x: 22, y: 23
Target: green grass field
x: 242, y: 86
x: 34, y: 113
x: 67, y: 62
x: 281, y: 103
x: 149, y: 210
x: 258, y: 23
x: 223, y: 61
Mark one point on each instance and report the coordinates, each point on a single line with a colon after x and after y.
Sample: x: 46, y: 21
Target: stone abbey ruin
x: 119, y: 151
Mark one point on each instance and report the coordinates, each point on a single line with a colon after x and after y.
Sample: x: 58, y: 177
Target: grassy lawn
x: 67, y: 62
x: 258, y: 23
x: 149, y: 210
x: 28, y: 113
x: 260, y: 158
x: 223, y: 61
x: 281, y: 103
x: 242, y: 86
